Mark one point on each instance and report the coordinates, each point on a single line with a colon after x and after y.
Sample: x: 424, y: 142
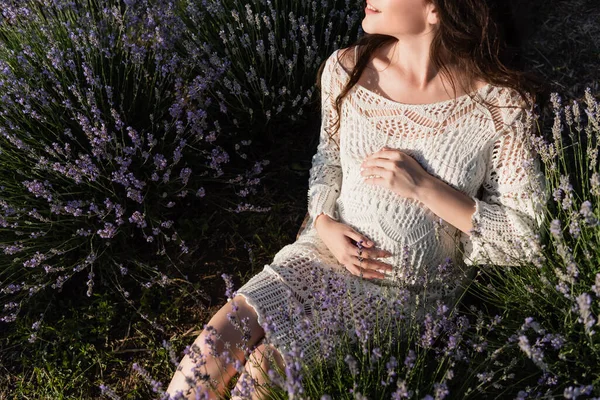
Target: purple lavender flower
x: 596, y: 285
x: 160, y: 161
x: 584, y: 302
x: 156, y: 385
x: 588, y: 214
x: 522, y: 395
x: 556, y: 340
x: 36, y: 325
x: 166, y: 224
x: 13, y: 249
x: 108, y: 232
x: 352, y: 364
x: 572, y: 392
x: 38, y: 189
x: 35, y: 260
x: 90, y: 284
x: 402, y: 392
x: 574, y: 228
x: 138, y: 219
x: 107, y: 391
x: 177, y: 151
x: 229, y: 291
x: 10, y: 305
x: 409, y: 361
x: 245, y: 386
x: 555, y: 228
x: 185, y: 175
x: 390, y: 366
x: 485, y: 377
x: 533, y: 352
x: 293, y: 371
x: 431, y: 332
x: 440, y: 390
x: 595, y: 184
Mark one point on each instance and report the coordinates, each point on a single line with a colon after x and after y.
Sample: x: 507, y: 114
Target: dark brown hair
x: 483, y: 43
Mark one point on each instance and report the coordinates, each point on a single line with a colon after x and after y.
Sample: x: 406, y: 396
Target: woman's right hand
x: 341, y: 240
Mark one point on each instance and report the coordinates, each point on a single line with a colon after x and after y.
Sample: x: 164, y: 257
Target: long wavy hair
x: 483, y: 42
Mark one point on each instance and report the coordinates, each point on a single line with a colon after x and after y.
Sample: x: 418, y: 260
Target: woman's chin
x: 368, y: 27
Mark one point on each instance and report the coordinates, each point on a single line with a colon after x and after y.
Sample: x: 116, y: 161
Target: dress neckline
x: 398, y: 103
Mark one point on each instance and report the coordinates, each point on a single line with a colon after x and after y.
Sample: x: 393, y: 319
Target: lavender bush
x: 447, y: 354
x: 554, y: 304
x: 273, y: 50
x: 119, y: 158
x: 104, y: 158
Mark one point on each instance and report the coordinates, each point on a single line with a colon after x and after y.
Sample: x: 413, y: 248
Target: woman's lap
x: 298, y: 292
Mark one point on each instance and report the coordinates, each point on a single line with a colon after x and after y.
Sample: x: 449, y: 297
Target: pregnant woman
x: 424, y: 158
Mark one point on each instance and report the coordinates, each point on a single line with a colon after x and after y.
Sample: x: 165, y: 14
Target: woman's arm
x: 451, y: 205
x: 510, y: 212
x: 325, y: 176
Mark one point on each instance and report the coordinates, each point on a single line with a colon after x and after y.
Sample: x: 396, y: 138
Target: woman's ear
x: 432, y: 14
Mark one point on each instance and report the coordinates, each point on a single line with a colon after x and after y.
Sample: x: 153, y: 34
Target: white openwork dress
x: 478, y: 149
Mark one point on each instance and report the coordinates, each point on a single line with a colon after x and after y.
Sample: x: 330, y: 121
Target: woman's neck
x: 409, y: 61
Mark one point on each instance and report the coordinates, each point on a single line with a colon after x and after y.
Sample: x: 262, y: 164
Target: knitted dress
x: 478, y: 149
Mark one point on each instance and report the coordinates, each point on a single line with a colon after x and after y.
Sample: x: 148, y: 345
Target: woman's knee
x: 243, y: 318
x: 262, y: 359
x: 235, y: 325
x: 209, y: 342
x: 257, y: 363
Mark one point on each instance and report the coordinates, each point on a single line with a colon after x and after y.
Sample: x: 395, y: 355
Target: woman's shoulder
x: 506, y: 96
x: 507, y: 106
x: 341, y: 61
x: 346, y: 57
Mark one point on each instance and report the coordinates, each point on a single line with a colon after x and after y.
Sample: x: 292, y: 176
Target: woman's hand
x: 341, y: 240
x: 396, y: 171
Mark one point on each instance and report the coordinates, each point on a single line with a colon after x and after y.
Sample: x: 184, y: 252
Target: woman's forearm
x: 451, y: 205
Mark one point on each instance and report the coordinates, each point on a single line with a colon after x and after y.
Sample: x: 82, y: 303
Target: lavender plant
x: 553, y: 303
x: 273, y: 50
x: 104, y: 158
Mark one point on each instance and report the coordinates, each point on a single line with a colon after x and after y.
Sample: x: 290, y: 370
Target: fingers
x: 375, y: 253
x: 366, y: 273
x: 375, y: 265
x: 369, y: 268
x: 368, y: 252
x: 357, y: 237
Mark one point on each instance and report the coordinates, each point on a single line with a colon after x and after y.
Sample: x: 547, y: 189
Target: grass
x: 563, y: 44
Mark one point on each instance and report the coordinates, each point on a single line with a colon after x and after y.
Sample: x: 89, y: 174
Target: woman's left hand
x: 396, y: 171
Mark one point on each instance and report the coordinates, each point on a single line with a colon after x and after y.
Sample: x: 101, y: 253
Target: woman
x: 426, y: 160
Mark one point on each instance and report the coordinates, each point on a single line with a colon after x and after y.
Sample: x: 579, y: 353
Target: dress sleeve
x: 510, y: 212
x: 325, y: 176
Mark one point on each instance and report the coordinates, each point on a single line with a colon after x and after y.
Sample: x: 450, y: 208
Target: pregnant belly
x: 404, y: 220
x: 399, y: 219
x: 402, y: 226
